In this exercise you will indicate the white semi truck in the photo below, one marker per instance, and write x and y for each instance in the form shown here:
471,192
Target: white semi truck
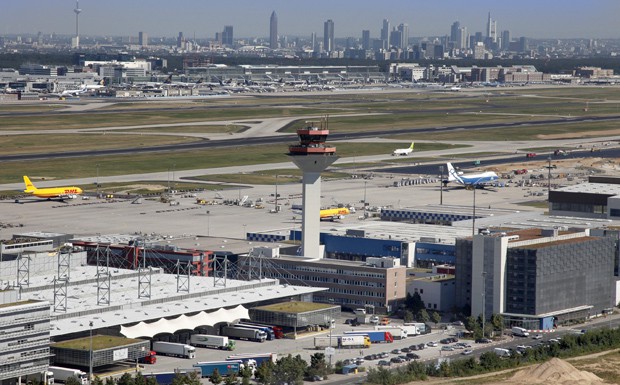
62,374
174,349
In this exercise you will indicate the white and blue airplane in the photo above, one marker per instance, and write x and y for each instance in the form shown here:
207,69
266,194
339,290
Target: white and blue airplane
470,180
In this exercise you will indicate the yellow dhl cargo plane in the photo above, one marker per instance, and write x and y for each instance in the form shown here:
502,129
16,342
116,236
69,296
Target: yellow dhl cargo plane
52,192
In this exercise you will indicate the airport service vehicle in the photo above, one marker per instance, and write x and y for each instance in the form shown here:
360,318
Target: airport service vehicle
376,336
225,368
531,155
174,349
62,374
268,331
150,358
244,333
211,341
502,352
520,332
397,332
345,341
277,331
255,359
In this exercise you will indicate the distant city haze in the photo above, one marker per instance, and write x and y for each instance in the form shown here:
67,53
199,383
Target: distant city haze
203,18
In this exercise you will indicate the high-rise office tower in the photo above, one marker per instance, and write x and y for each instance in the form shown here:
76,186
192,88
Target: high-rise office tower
180,40
365,39
505,39
403,28
227,35
462,38
273,31
313,41
328,36
491,29
143,39
385,30
454,31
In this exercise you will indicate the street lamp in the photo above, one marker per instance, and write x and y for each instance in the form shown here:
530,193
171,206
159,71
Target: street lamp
90,360
208,223
174,165
276,207
441,186
484,276
473,218
97,180
549,179
365,183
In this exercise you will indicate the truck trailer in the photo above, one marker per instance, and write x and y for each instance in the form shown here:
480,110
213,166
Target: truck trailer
211,341
244,333
268,331
174,349
397,332
166,378
345,341
376,336
277,330
255,359
62,374
225,368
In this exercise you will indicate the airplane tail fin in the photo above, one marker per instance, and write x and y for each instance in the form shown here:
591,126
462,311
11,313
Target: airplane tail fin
452,174
411,147
29,186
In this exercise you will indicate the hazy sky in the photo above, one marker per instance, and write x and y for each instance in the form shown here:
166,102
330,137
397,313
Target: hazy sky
203,18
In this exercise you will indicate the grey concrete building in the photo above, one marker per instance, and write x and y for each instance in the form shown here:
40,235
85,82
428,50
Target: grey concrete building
24,338
536,278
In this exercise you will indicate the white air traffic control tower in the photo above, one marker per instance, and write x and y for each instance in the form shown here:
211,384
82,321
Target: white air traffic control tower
312,156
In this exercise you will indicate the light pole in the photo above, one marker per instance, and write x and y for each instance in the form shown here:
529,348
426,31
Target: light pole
441,186
484,277
168,179
276,206
473,218
208,223
174,165
549,179
365,183
90,359
97,180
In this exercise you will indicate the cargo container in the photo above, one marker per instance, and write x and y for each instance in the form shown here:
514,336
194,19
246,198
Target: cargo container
244,333
62,374
397,332
256,358
225,368
345,341
376,336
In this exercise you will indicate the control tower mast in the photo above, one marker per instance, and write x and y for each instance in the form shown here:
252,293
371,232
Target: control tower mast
312,156
77,11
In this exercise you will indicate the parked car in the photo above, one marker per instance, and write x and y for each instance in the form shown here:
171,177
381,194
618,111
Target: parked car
467,352
537,336
432,344
447,348
421,346
384,355
396,351
405,350
413,356
370,357
384,363
405,358
483,341
396,360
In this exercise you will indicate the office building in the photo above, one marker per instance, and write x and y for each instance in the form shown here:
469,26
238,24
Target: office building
403,28
143,39
536,278
273,31
454,31
491,30
328,36
505,39
366,39
24,338
227,36
598,198
385,30
379,282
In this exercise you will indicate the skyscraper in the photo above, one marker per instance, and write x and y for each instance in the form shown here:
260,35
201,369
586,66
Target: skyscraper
385,30
365,39
227,35
491,29
454,31
76,41
403,28
273,31
143,39
328,36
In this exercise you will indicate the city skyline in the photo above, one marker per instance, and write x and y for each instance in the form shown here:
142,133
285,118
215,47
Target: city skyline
534,19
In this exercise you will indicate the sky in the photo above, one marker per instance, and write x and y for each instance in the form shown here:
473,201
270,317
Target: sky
250,18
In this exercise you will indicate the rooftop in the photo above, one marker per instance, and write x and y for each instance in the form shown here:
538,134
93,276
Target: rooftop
295,307
99,342
592,188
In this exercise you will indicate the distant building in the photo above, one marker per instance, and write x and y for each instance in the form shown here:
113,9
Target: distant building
598,198
366,39
227,36
273,31
536,278
143,39
593,72
385,32
180,40
328,36
437,291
